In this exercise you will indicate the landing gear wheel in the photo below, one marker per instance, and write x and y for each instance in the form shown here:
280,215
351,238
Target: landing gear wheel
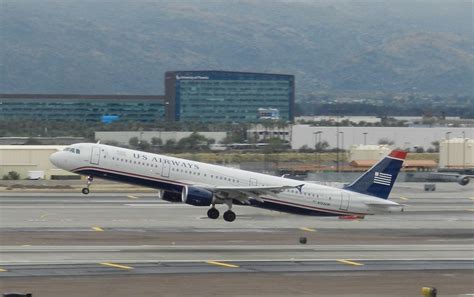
229,216
213,213
85,190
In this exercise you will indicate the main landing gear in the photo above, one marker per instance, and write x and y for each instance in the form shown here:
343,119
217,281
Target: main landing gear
85,190
229,215
213,213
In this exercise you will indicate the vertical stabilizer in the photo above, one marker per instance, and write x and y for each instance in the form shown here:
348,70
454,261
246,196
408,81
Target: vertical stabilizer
378,180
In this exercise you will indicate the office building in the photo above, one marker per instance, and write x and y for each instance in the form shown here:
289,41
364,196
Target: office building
225,96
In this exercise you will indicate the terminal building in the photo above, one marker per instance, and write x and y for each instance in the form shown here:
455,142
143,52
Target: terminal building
192,96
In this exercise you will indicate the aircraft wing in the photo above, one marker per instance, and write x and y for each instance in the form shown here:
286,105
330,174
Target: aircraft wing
244,193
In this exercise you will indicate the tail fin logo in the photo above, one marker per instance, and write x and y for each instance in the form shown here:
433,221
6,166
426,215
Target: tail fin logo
383,179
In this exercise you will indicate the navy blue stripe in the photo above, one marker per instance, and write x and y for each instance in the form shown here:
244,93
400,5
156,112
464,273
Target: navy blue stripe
291,209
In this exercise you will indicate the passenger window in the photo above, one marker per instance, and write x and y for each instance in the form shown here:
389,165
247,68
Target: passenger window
78,151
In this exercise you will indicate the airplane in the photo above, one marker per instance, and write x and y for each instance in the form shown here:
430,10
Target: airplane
460,178
202,184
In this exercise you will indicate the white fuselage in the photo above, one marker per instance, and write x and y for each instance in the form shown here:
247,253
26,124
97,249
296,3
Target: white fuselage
172,174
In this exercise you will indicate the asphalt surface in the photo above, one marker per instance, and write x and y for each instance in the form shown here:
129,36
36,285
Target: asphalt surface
130,238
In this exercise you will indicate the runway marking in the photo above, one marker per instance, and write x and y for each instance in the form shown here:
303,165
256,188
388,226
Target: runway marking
472,198
133,197
307,229
3,270
116,265
404,198
222,264
350,262
470,209
26,245
98,229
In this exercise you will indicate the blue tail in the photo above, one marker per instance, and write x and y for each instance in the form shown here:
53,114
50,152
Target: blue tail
378,180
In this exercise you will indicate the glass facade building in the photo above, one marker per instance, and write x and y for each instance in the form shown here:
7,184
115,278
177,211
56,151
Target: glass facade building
89,108
223,96
191,96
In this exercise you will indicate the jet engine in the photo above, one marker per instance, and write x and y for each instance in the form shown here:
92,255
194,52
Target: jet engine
197,196
170,196
462,180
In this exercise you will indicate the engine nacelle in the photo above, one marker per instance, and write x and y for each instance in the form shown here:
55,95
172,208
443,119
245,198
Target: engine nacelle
197,196
170,196
463,180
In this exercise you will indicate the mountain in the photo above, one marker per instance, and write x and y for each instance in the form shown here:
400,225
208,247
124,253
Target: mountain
125,46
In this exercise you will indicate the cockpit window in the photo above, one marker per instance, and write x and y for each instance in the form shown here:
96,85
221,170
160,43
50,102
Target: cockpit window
72,150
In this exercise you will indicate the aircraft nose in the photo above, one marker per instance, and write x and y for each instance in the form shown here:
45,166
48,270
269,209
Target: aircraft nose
54,158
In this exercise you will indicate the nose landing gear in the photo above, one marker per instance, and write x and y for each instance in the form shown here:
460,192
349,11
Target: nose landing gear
85,190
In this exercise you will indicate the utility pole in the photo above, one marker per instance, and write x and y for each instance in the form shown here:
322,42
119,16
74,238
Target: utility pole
316,149
447,149
337,147
464,143
342,143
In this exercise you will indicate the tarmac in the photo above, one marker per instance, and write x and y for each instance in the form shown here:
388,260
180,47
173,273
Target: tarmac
127,242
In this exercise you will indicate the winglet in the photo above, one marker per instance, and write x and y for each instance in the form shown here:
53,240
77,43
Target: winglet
299,187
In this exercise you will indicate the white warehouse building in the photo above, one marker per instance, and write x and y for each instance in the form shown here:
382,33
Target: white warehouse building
30,161
456,153
402,137
123,137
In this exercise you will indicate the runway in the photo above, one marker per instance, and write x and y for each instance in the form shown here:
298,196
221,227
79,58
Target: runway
46,236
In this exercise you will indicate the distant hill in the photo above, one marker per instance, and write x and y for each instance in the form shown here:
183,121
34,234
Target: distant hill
125,46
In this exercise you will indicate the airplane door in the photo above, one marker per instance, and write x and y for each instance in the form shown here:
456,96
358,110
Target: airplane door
165,170
252,182
344,201
95,155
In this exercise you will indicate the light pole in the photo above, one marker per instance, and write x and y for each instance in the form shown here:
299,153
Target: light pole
337,147
318,157
447,149
342,142
365,138
464,142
